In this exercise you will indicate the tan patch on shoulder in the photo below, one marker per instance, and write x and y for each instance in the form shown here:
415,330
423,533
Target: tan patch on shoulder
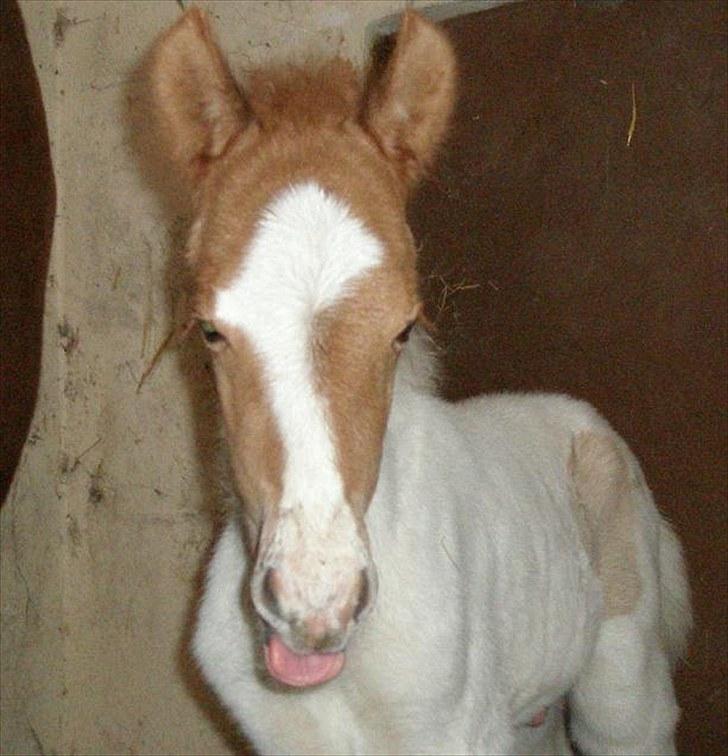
604,505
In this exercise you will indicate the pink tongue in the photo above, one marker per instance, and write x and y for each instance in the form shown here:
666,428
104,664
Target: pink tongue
300,670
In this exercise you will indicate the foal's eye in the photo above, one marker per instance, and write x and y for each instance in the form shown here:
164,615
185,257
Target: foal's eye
210,333
404,335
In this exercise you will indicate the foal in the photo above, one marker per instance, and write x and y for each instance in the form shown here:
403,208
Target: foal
520,560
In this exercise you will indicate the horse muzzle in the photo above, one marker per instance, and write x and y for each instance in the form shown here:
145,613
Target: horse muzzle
308,627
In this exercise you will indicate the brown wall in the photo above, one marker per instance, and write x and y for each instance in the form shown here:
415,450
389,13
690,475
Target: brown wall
559,257
26,227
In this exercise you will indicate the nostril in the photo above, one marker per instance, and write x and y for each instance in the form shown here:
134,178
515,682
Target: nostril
364,592
268,592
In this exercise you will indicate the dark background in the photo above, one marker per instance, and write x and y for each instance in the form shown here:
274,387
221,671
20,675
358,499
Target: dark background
556,257
27,211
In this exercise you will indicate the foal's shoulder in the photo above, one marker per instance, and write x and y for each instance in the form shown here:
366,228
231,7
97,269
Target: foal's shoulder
559,412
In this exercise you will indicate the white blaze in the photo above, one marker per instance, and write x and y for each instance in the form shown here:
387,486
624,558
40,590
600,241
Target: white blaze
305,254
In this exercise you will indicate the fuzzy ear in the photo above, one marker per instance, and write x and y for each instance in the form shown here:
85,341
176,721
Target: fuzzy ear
195,101
409,107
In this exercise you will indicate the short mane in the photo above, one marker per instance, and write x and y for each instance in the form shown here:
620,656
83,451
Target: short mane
321,93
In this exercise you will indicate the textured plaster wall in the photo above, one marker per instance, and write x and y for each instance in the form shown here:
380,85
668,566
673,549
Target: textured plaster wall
112,508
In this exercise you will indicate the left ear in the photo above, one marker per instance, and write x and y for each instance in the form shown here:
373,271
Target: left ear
409,108
197,108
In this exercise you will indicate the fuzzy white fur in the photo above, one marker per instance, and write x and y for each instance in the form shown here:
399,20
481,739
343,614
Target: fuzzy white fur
488,609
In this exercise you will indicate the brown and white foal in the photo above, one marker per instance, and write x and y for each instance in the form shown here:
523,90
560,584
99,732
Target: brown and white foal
519,556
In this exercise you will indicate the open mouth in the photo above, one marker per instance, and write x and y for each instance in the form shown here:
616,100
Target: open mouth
300,670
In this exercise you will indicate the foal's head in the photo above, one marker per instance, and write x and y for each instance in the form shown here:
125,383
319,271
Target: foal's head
305,291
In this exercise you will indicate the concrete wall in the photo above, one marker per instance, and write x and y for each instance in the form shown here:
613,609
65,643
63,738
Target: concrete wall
112,508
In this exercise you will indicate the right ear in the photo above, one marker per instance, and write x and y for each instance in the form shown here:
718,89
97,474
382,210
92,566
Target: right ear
409,107
195,101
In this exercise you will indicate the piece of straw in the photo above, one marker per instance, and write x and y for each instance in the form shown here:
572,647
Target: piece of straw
633,122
